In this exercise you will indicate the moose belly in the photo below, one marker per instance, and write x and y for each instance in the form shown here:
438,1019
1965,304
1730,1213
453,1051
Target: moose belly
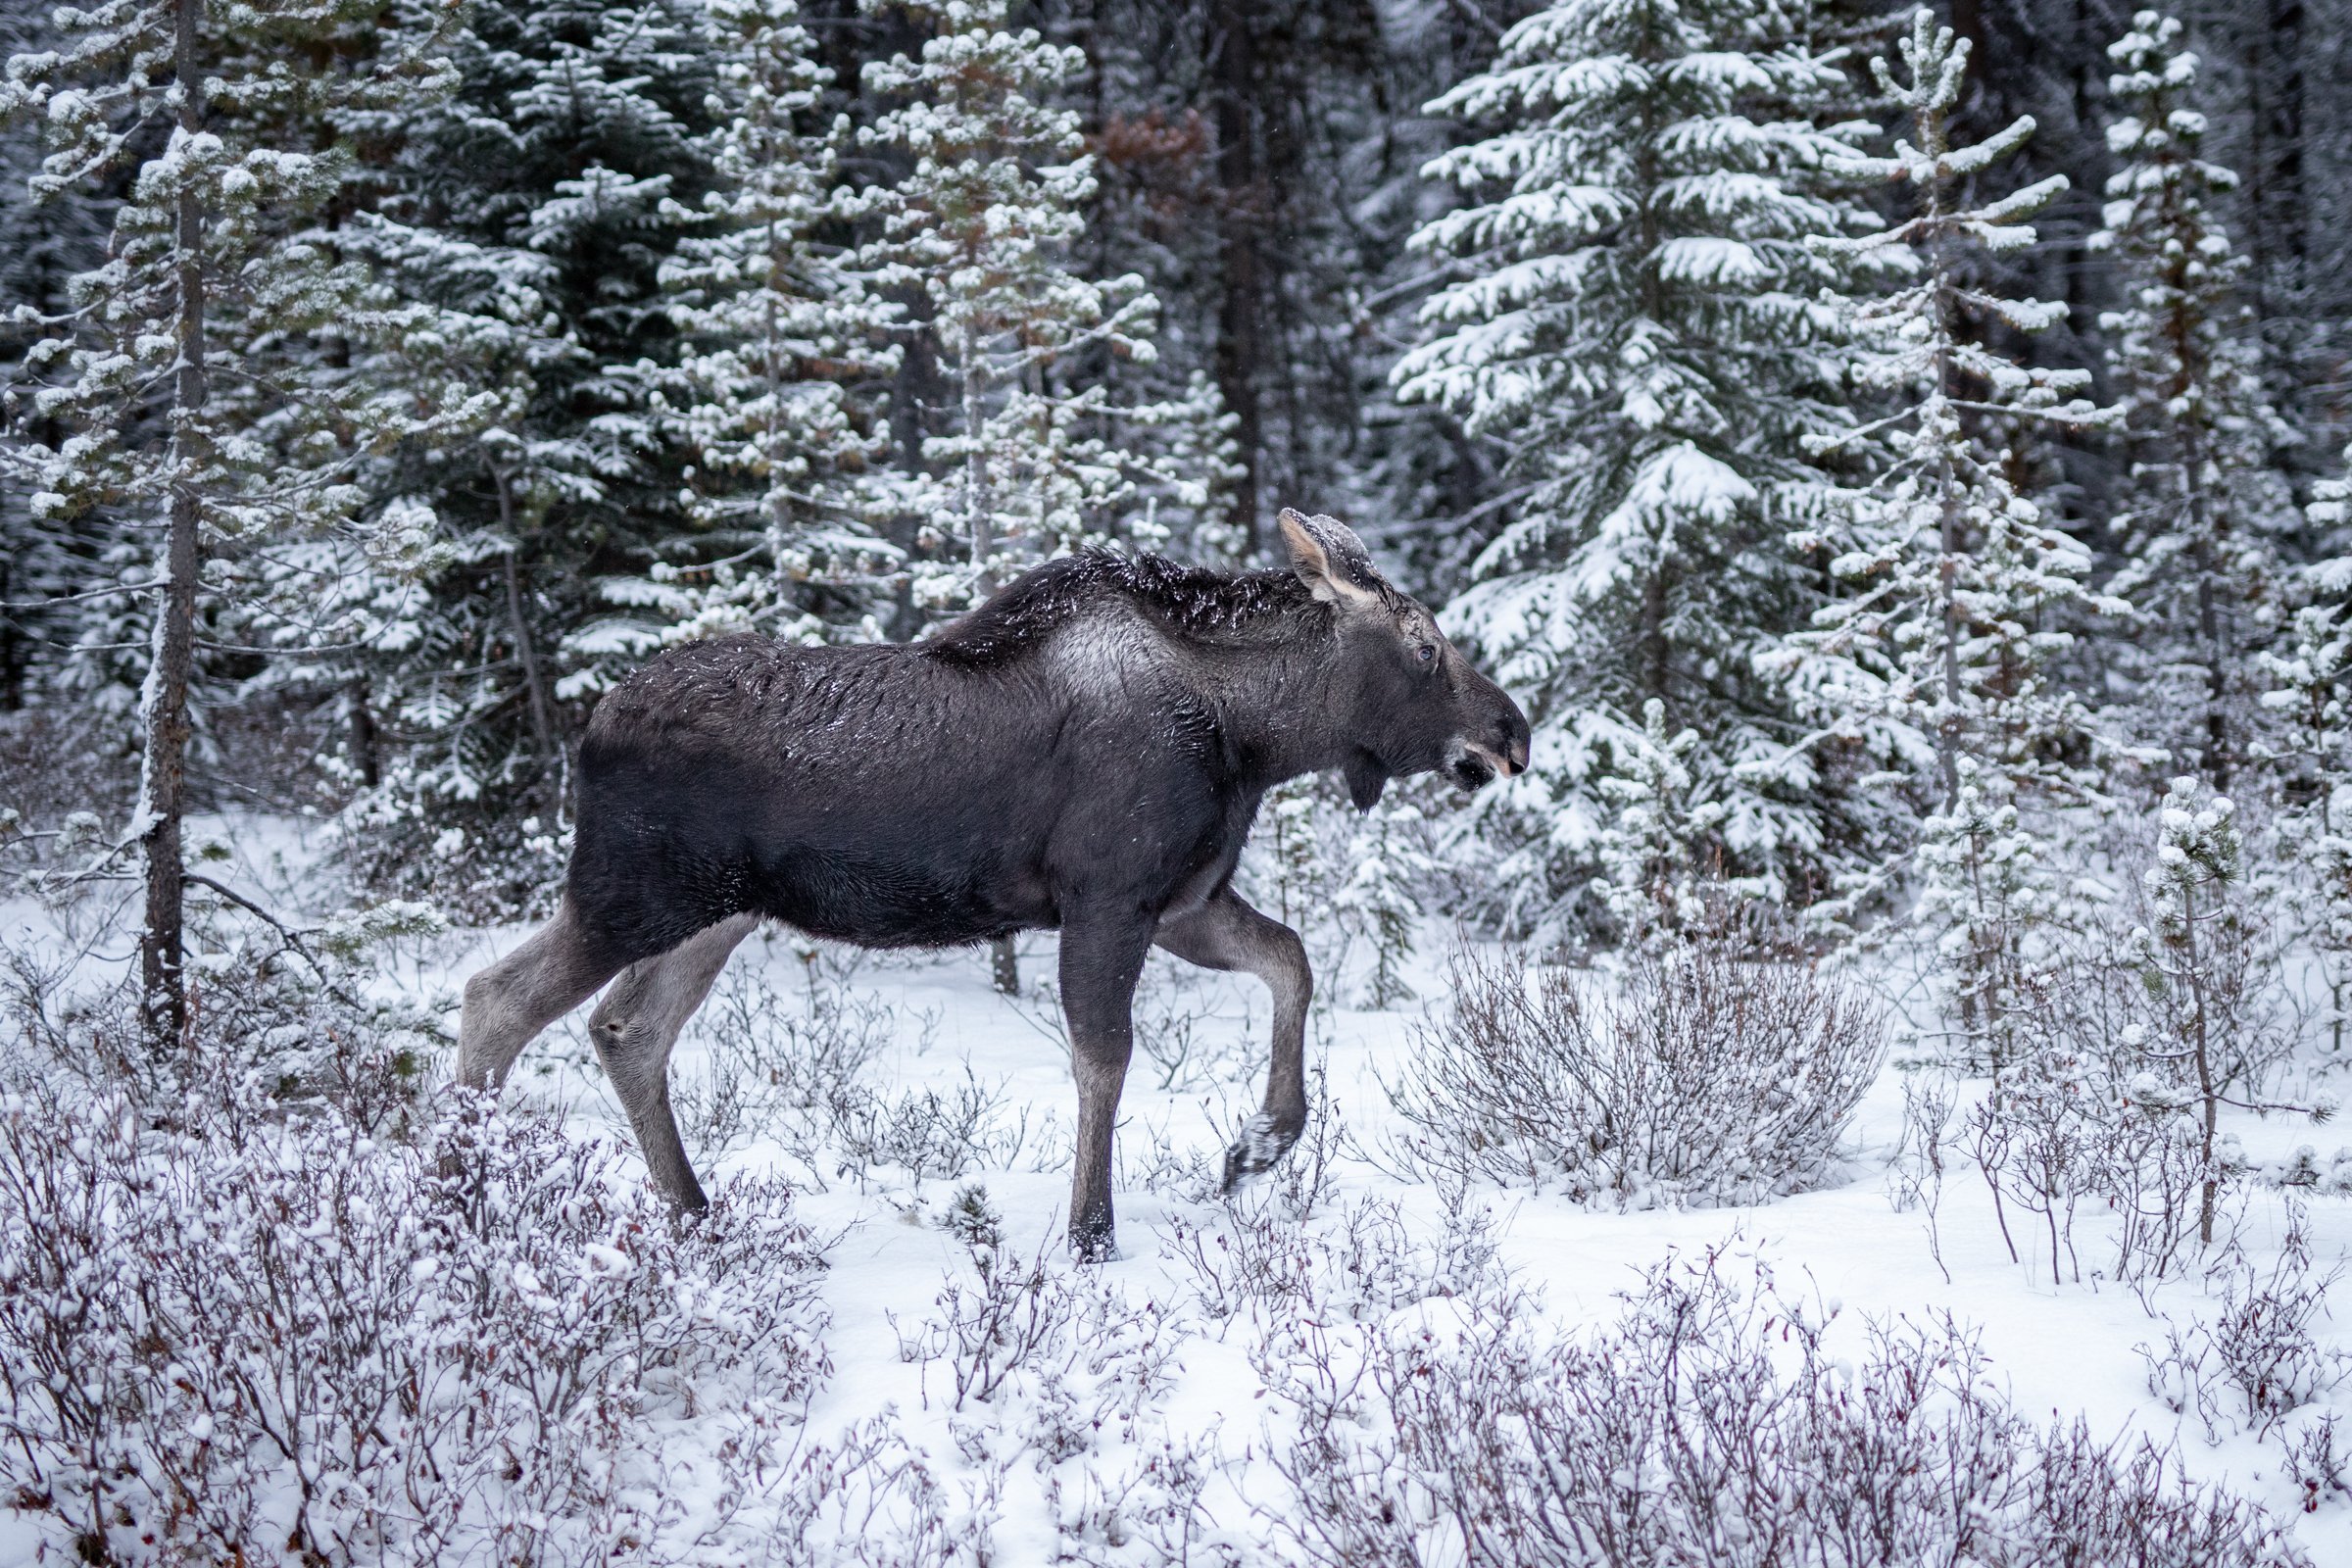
887,901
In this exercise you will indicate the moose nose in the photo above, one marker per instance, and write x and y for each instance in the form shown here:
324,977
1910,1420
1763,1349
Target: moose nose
1513,750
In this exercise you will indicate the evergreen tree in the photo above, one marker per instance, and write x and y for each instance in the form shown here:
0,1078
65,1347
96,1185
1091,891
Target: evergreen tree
556,181
1935,656
1636,322
1653,878
778,331
50,568
2309,706
2200,519
1379,900
184,390
1020,461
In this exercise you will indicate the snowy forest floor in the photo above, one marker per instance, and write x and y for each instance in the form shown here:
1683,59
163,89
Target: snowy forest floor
1163,1414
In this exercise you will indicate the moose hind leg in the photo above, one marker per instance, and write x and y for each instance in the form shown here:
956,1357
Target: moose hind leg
636,1025
1227,934
507,1004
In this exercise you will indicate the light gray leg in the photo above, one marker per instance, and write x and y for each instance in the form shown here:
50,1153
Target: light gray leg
507,1004
1227,934
1101,959
635,1026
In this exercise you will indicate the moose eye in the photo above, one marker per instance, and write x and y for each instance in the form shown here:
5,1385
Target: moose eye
1427,653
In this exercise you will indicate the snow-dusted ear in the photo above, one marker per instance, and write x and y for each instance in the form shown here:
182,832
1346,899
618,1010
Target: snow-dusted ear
1329,559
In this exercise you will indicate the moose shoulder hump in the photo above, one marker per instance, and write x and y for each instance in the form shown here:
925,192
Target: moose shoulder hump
1195,604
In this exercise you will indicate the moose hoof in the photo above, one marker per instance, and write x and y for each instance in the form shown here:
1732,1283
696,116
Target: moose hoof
1263,1141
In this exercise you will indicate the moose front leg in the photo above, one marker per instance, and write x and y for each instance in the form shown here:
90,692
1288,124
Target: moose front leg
1100,961
1226,933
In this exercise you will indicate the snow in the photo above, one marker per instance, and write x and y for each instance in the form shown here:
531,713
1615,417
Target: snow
2062,1351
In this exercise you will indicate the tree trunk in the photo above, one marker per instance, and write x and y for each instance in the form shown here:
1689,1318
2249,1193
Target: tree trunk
1005,965
367,738
543,728
1239,282
978,503
164,702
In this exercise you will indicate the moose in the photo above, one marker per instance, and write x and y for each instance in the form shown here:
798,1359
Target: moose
1085,752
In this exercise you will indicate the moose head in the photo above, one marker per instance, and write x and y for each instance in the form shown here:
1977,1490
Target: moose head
1404,699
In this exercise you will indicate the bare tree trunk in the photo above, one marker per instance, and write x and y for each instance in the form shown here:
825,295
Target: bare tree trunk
978,504
2214,630
1238,222
543,728
164,703
367,738
1005,965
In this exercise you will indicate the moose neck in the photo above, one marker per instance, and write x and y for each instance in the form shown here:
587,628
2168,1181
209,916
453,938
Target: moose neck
1279,704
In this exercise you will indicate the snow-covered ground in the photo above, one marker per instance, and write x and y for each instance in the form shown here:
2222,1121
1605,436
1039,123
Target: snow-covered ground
1178,1408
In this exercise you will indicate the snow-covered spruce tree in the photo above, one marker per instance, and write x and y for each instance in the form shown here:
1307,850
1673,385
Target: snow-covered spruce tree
180,395
1932,655
2309,709
777,330
1635,319
2197,864
976,231
1653,881
1379,901
558,179
48,565
2199,527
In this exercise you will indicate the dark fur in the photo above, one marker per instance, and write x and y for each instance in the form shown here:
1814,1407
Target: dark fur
1085,752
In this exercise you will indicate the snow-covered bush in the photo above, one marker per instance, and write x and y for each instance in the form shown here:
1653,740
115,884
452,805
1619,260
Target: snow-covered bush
260,1301
2159,1008
281,1006
1719,1421
1703,1075
796,1070
1368,1261
2257,1358
1379,905
227,1331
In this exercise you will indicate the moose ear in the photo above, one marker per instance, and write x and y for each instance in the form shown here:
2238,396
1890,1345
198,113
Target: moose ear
1329,559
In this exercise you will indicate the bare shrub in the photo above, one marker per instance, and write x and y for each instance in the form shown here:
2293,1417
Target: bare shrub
779,1064
238,1325
2317,1461
1365,1263
1188,1042
1712,1422
1017,1310
1065,1358
2258,1358
1702,1077
1916,1171
797,1069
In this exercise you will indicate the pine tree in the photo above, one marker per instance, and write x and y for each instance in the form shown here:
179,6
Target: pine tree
1378,899
2197,866
1935,656
544,192
1635,323
1019,463
2309,704
778,332
52,582
186,383
1655,879
2201,569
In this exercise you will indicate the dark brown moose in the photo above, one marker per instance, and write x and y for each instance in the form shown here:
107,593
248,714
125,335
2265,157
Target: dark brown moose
1085,752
